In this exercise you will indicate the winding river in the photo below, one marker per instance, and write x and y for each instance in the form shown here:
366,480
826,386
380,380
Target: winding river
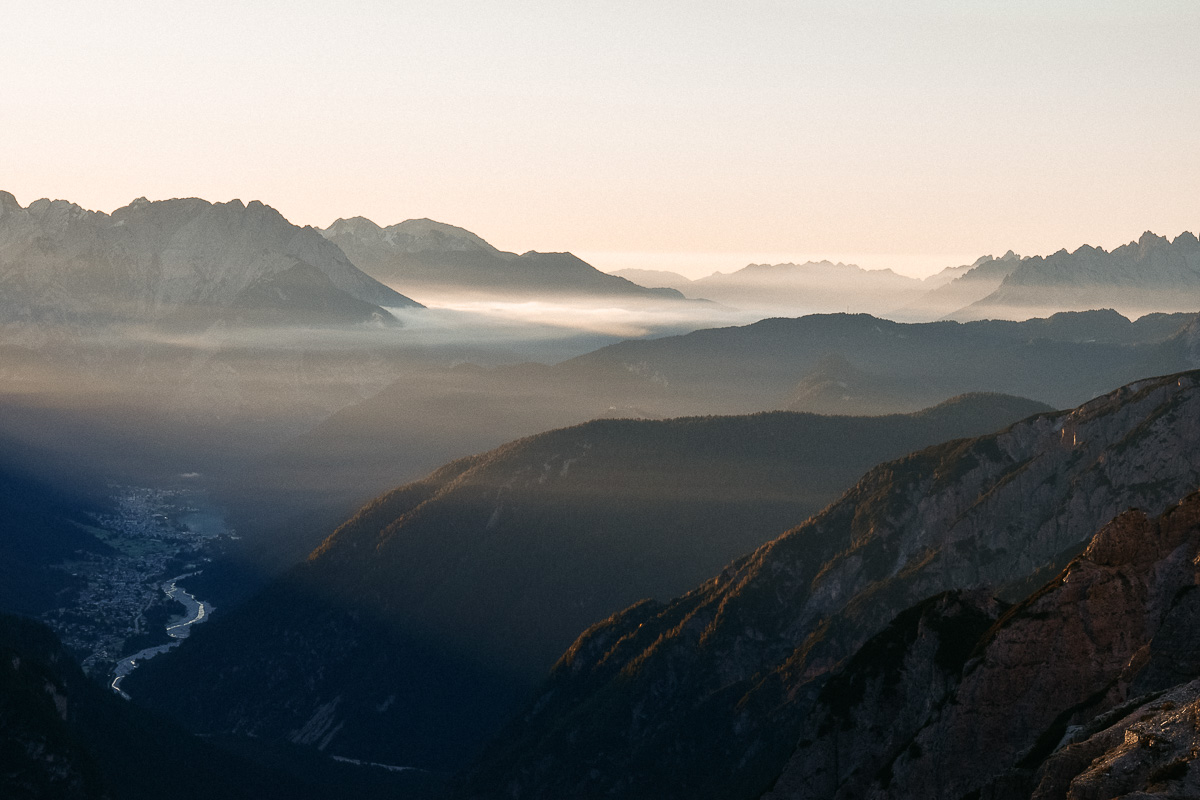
197,611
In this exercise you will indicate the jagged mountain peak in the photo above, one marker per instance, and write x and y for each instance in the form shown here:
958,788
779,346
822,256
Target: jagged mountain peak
1149,238
1187,239
1152,273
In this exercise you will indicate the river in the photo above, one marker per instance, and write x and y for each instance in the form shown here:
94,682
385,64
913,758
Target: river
197,611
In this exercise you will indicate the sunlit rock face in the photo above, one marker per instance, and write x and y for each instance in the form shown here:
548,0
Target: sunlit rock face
1061,696
182,260
709,695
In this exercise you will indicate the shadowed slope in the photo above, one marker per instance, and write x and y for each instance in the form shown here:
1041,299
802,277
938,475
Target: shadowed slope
413,630
705,696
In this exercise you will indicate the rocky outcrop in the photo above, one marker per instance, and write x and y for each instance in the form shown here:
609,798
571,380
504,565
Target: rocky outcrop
707,695
1078,691
181,259
868,715
1144,749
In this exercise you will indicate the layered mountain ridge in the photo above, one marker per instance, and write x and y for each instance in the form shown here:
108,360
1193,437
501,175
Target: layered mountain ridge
453,595
824,364
1151,274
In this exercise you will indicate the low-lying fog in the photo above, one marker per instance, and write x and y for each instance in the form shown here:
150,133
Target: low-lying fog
555,328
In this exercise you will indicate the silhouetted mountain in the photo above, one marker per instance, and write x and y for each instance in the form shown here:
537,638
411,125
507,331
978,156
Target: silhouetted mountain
411,633
1151,274
423,255
708,696
183,260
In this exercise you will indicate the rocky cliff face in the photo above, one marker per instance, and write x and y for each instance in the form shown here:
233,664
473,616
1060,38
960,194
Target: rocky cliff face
1037,704
707,696
183,258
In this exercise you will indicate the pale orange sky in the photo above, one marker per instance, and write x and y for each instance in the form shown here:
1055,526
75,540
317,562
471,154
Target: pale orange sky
932,131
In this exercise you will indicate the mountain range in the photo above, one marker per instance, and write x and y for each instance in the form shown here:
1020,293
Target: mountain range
826,364
411,633
421,255
1150,274
767,561
814,287
713,693
182,261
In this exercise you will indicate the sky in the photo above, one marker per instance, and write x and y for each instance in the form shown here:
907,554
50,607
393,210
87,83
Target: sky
670,135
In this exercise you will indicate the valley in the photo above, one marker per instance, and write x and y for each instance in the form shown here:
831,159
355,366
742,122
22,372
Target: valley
126,599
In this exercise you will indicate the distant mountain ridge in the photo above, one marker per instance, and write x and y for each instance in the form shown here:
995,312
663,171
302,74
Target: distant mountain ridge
1061,360
1152,273
436,257
177,260
793,289
824,364
955,287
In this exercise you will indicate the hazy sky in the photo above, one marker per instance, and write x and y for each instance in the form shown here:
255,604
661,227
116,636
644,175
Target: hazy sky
931,131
